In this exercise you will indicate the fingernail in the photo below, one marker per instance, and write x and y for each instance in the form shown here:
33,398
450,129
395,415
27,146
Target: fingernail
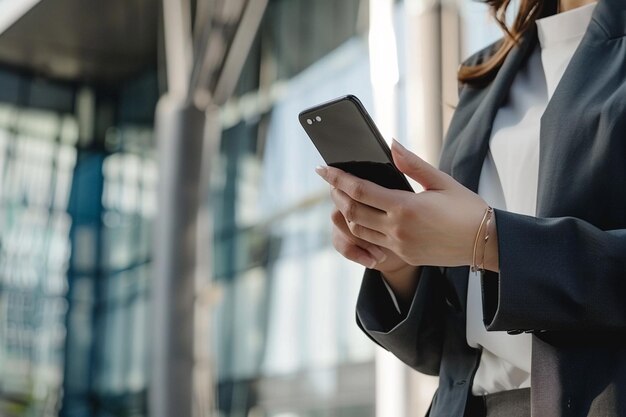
370,263
398,145
378,254
321,170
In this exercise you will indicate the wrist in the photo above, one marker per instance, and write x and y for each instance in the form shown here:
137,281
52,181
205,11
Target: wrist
403,282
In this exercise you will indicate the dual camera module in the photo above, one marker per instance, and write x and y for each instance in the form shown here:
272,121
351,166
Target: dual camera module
317,119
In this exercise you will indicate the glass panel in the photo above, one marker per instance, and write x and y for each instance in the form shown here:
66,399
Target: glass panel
34,253
287,306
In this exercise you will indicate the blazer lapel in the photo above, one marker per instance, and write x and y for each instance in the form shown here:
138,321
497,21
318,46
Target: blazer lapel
574,116
469,148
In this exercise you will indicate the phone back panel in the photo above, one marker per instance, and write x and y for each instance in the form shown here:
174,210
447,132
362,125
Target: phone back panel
346,137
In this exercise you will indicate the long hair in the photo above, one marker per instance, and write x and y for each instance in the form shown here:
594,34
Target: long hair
529,11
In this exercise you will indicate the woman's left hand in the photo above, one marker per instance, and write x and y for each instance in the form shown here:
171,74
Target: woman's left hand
435,227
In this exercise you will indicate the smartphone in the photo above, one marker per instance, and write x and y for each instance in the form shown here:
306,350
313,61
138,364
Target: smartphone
347,138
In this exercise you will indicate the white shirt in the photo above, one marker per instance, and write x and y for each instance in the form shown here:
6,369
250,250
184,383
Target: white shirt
508,181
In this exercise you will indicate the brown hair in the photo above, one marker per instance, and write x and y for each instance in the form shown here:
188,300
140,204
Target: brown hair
529,11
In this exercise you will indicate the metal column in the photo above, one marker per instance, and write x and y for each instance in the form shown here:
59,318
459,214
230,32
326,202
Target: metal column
179,127
197,83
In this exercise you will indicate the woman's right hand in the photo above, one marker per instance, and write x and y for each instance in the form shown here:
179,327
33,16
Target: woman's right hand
362,252
401,277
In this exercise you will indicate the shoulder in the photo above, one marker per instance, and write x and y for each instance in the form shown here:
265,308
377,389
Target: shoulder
480,57
484,54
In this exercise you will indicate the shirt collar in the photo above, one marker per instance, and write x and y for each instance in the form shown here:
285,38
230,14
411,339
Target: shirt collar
564,26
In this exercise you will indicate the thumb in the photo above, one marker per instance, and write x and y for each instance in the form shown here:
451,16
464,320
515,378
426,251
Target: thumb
415,167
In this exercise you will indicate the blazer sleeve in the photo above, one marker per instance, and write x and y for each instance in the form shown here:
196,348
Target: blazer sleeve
416,337
556,274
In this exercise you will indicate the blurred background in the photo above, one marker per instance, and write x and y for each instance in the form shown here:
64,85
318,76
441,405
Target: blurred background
164,241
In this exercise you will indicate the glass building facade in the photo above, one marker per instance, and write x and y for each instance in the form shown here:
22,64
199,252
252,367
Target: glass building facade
113,204
77,192
37,159
286,343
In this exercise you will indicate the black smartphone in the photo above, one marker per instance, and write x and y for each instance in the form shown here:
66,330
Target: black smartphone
347,138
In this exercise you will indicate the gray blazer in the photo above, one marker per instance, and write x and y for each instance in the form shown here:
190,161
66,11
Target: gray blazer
562,274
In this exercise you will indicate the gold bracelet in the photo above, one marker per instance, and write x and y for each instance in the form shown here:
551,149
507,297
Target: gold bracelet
489,217
488,211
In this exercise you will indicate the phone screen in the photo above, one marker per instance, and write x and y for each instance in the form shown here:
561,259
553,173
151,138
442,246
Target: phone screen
347,139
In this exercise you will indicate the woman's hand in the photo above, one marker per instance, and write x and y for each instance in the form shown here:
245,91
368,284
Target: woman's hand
362,252
401,277
435,227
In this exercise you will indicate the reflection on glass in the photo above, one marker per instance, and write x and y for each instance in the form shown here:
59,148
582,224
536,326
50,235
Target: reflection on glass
35,176
128,199
284,328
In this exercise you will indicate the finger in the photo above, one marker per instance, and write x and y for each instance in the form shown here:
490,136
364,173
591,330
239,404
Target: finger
358,189
342,227
357,212
367,238
415,167
368,235
353,252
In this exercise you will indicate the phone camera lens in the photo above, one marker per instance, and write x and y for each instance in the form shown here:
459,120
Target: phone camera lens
318,118
309,121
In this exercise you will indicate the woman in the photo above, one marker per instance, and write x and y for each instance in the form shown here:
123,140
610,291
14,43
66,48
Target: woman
539,134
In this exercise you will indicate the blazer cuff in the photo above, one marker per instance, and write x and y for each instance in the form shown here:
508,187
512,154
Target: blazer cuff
415,338
556,274
376,308
377,311
503,293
